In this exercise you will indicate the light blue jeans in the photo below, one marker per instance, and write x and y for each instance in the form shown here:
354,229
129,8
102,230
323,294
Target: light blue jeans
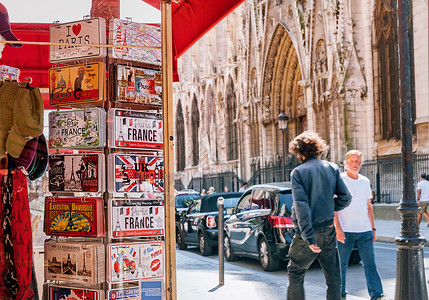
363,242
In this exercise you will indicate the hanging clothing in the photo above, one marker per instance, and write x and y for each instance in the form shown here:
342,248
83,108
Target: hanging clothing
16,249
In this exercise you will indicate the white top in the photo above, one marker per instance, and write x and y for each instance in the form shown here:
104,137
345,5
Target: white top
423,185
354,218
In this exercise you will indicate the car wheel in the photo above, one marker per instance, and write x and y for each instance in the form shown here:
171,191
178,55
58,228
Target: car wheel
227,249
204,246
179,241
354,258
268,263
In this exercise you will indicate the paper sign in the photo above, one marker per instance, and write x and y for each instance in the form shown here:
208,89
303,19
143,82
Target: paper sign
74,293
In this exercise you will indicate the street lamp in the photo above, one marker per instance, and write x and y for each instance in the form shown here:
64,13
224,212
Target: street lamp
283,118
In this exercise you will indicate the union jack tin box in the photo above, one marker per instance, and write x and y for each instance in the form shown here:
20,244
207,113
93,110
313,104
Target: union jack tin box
124,33
60,292
74,217
75,262
77,129
85,32
136,217
135,129
138,85
76,173
135,261
77,84
136,173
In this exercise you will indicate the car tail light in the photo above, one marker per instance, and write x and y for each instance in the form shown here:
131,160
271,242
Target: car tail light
280,222
210,222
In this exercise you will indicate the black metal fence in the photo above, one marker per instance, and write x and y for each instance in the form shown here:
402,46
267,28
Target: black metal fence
385,175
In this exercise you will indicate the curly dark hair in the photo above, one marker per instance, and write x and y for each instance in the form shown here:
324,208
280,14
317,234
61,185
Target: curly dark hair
308,144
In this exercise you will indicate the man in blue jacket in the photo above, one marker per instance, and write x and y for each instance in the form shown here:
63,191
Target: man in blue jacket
318,191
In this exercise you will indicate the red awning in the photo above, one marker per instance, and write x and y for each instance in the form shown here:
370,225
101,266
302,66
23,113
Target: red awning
191,19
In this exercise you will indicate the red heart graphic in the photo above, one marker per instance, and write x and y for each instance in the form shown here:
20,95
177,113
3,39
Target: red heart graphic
76,29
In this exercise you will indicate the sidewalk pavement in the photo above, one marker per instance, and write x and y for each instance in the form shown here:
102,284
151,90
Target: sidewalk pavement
388,230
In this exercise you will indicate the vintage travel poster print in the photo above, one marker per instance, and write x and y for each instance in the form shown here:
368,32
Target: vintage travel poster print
74,217
76,84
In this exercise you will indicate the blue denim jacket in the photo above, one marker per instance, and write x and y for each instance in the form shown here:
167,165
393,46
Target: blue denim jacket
314,184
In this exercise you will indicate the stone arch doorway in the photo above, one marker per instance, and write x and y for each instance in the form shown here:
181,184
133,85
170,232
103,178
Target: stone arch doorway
282,90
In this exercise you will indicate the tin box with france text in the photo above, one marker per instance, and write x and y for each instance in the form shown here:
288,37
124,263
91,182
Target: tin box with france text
77,129
135,129
136,217
75,262
74,217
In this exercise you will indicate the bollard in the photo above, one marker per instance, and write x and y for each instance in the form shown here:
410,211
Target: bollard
220,202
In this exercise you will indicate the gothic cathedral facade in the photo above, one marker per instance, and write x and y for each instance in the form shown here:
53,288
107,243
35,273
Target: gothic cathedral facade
330,65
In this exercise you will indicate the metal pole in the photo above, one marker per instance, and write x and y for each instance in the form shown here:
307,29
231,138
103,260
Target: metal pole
220,202
287,154
410,271
283,158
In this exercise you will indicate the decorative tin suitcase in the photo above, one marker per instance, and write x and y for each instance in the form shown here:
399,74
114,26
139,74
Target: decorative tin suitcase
75,262
138,85
89,31
148,290
76,173
60,292
74,217
136,173
135,261
136,217
125,33
135,129
77,129
77,84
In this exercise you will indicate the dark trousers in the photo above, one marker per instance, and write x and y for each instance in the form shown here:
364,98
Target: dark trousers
301,258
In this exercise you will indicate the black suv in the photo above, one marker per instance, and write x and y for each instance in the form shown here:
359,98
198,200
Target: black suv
198,225
260,226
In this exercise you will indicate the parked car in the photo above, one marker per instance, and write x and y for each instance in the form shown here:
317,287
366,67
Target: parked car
198,225
184,198
260,226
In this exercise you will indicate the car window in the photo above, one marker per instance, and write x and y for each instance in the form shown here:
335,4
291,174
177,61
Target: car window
229,202
183,201
285,204
195,207
262,199
244,203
